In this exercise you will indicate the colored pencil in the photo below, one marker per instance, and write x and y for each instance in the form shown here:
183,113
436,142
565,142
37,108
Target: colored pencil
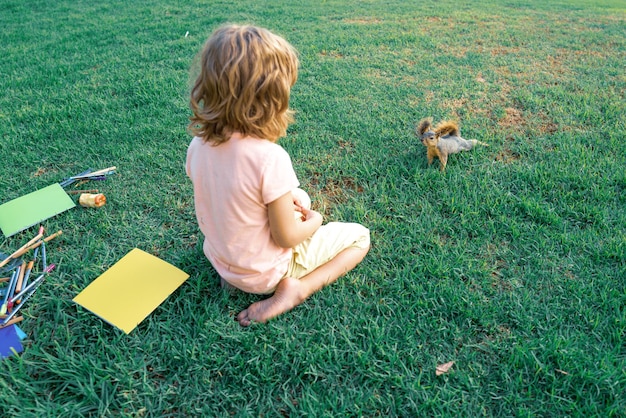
69,181
17,307
21,249
82,191
20,279
29,269
43,256
99,173
4,307
12,321
38,243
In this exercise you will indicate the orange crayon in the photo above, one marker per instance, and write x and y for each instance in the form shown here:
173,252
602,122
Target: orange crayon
20,278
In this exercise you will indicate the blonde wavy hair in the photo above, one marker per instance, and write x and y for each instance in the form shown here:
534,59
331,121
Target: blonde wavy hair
244,84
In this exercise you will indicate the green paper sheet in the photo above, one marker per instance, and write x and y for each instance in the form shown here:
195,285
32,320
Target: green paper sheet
28,210
131,289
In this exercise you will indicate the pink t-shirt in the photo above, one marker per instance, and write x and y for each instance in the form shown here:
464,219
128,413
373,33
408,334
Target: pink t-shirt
233,184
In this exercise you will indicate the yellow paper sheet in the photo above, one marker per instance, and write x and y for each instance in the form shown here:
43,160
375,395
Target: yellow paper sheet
131,289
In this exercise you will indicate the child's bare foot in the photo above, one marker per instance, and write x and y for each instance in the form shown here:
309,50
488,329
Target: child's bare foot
292,292
288,294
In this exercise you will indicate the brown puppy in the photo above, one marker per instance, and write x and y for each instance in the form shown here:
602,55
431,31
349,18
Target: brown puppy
443,140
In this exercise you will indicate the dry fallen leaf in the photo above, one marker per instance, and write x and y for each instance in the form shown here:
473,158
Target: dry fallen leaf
39,172
443,368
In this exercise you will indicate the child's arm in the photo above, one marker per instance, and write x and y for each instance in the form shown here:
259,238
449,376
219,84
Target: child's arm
285,230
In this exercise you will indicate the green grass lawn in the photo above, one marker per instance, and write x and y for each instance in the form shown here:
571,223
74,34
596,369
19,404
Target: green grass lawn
512,263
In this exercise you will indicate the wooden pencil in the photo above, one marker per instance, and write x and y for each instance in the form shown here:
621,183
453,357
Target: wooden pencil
12,321
21,250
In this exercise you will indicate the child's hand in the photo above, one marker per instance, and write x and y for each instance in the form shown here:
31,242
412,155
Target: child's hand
298,210
297,205
285,232
311,215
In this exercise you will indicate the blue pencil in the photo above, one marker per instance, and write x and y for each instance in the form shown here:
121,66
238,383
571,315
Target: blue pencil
3,308
17,308
8,288
29,269
34,284
43,255
71,180
14,282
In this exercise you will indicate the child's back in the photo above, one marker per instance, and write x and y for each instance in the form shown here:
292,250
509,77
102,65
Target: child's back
244,184
233,184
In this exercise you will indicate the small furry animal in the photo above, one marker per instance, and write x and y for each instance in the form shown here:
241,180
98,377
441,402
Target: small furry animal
443,140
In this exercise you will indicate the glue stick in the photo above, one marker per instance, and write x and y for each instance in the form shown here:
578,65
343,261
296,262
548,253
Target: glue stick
89,200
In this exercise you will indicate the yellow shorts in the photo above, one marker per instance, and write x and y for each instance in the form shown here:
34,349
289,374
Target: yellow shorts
328,241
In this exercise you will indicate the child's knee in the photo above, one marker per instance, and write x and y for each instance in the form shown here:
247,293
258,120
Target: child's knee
361,236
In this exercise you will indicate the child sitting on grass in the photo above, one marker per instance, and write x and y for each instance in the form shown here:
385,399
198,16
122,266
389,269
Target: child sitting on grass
245,188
